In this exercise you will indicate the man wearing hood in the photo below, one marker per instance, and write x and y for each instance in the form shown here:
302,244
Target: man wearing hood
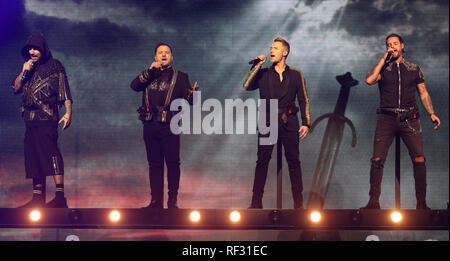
44,87
161,84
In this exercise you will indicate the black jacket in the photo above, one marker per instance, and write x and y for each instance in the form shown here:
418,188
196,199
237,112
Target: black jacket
155,84
45,88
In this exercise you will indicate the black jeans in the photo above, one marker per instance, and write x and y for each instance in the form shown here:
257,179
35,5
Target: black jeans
410,132
162,145
290,142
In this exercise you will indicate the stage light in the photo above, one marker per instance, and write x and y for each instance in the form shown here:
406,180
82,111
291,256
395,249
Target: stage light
396,217
275,216
114,216
315,216
235,216
35,215
75,216
194,216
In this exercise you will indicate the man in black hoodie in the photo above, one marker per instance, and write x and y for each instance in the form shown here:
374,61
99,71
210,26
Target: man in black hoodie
161,84
44,87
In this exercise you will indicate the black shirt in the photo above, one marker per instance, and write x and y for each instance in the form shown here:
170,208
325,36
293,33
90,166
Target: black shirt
398,85
293,86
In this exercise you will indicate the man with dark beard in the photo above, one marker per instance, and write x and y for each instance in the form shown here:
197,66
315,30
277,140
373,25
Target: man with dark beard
398,81
44,87
285,84
161,84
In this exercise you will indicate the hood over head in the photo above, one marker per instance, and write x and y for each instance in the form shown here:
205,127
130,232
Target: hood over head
37,41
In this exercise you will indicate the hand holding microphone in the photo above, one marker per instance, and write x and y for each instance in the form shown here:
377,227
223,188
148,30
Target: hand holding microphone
388,55
258,60
27,67
156,65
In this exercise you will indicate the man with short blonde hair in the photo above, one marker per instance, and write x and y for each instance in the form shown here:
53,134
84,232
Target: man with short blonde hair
285,84
285,44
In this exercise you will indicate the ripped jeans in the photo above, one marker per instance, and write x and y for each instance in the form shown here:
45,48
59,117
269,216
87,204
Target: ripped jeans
411,133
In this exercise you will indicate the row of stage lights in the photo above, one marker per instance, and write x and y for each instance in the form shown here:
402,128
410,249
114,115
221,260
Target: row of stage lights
195,216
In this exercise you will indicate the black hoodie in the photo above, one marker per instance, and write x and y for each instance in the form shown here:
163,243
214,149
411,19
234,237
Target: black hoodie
46,86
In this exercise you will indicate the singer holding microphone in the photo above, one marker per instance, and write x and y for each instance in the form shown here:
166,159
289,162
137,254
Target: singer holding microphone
285,84
161,84
398,81
44,87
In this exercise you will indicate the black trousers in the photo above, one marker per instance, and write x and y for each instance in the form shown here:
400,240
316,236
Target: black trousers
410,132
42,155
162,146
290,142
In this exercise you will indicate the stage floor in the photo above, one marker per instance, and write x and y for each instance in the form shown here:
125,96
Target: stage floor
228,219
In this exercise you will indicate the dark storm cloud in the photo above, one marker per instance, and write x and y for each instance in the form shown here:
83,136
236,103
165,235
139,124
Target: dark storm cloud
184,10
74,38
371,20
427,19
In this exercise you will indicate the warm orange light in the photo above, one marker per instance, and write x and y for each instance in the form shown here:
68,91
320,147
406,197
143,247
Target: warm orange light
194,216
235,216
114,216
396,216
315,216
35,215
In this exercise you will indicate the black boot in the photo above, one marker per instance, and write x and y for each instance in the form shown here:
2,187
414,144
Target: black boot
295,173
420,178
422,205
256,201
36,202
298,202
372,204
57,202
172,202
376,175
154,204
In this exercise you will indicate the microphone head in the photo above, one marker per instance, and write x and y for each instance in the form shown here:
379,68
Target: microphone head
388,57
255,61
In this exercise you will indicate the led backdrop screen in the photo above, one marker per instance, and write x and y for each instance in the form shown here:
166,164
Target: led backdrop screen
104,45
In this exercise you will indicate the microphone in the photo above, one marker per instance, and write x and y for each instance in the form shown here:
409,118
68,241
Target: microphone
388,58
255,61
27,72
